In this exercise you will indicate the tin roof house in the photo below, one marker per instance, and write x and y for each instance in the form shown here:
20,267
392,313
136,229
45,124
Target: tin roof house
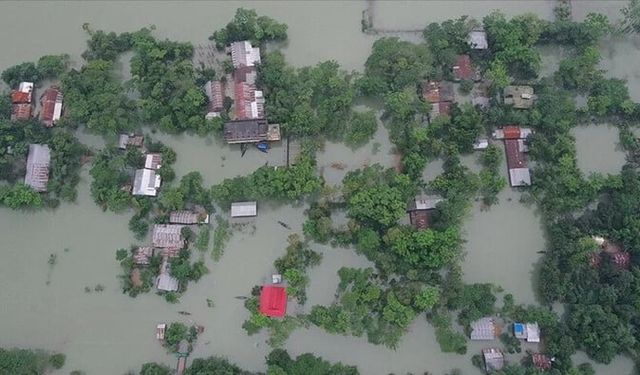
215,92
463,69
130,140
146,182
165,282
37,176
51,102
484,329
142,255
420,209
441,96
493,359
527,331
250,131
22,101
516,148
153,161
540,361
168,236
244,209
478,39
273,301
244,54
188,217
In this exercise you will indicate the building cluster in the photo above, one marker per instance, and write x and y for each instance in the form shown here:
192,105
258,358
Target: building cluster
516,149
487,329
248,124
23,104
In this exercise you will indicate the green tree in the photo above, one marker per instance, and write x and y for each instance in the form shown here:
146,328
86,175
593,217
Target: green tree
247,25
21,196
152,368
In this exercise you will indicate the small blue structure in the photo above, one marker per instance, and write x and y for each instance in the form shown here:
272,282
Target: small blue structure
519,330
263,146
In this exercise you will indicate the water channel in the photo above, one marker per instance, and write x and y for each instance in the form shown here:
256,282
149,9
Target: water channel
109,333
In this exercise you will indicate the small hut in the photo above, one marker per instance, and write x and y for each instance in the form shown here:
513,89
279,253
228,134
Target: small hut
484,329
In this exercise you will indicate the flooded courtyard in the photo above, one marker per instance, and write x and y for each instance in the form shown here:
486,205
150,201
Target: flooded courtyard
46,306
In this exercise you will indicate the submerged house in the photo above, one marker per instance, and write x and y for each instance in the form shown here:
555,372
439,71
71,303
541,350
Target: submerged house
441,96
250,131
248,100
527,331
516,148
273,301
168,236
37,176
521,97
493,359
463,69
477,39
244,209
244,54
142,255
540,361
146,182
165,282
484,329
51,102
420,210
22,101
153,161
215,92
130,140
188,217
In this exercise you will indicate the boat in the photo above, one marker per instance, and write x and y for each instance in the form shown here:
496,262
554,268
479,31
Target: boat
263,146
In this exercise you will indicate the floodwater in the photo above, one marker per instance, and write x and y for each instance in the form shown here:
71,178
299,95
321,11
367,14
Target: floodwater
106,332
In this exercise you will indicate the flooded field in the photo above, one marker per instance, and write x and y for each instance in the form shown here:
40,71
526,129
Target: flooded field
108,333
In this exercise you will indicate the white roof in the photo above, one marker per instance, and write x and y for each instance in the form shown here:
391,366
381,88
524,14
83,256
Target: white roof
427,202
25,87
533,332
519,177
37,175
146,182
57,111
167,283
483,329
481,144
244,209
478,39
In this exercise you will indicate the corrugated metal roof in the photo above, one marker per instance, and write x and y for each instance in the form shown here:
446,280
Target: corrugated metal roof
167,236
483,329
38,161
244,209
146,182
478,39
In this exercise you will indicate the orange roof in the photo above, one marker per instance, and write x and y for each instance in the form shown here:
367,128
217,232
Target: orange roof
273,300
19,97
21,111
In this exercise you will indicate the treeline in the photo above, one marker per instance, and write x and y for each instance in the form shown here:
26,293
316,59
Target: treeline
278,362
26,361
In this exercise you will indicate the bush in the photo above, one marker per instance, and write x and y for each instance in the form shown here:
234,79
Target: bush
57,360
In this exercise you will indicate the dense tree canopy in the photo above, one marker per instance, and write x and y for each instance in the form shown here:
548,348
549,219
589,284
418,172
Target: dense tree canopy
247,25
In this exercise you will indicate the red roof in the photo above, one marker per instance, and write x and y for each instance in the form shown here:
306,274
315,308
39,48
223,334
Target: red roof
431,91
541,361
463,70
511,132
49,98
515,157
19,97
239,101
420,219
273,300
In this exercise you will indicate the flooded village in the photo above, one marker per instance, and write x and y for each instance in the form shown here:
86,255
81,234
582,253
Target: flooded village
58,307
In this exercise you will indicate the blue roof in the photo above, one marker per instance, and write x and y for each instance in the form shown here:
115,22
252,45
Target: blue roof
518,328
